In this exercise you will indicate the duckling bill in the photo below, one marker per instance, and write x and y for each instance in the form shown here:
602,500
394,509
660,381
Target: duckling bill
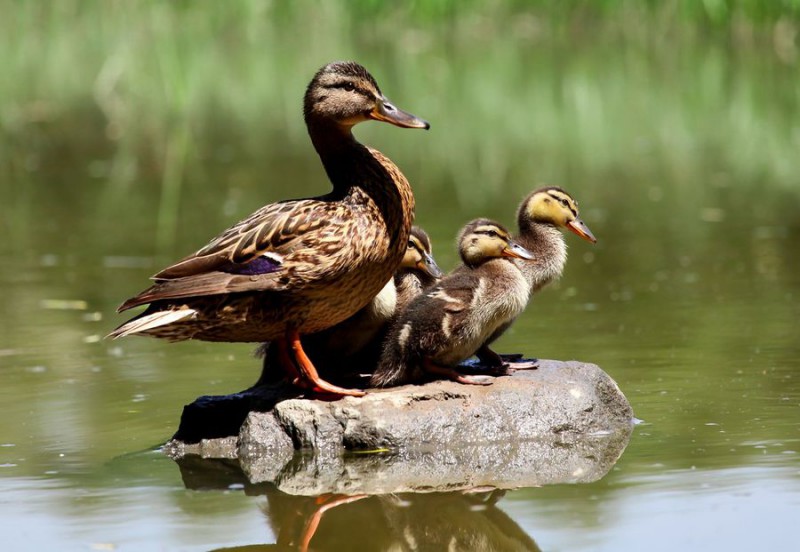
299,266
447,324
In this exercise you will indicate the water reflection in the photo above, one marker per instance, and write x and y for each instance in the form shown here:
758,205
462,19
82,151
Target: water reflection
434,500
457,520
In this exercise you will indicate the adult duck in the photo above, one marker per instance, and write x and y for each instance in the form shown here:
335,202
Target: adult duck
299,266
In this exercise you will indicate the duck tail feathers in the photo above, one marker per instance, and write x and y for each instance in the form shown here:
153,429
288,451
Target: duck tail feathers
146,322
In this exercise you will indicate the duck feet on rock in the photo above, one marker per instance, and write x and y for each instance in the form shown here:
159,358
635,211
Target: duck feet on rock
455,374
302,372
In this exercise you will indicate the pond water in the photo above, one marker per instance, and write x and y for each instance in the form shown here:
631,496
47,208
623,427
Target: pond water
690,300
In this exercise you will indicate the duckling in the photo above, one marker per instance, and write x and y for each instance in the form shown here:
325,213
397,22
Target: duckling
448,323
300,266
540,217
417,272
354,344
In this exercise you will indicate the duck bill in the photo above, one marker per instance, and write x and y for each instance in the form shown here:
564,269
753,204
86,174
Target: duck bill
429,266
387,112
516,251
579,227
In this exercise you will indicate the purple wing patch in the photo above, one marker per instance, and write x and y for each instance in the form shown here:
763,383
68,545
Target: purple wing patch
260,265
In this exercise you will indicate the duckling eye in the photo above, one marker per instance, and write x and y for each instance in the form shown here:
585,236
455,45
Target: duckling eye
410,245
349,86
564,202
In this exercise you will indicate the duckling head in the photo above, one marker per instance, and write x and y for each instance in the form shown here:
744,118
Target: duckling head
484,239
343,92
418,254
552,205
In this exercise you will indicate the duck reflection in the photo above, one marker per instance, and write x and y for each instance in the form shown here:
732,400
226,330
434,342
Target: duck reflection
468,520
461,520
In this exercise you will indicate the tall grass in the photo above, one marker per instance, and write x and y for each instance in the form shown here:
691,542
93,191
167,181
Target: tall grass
153,93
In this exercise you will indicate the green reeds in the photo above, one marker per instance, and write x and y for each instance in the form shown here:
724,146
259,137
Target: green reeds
517,93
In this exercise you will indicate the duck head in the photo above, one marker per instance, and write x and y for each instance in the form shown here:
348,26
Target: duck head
484,239
344,93
552,205
418,254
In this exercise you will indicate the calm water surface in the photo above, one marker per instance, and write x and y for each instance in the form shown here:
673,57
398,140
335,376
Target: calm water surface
690,301
699,333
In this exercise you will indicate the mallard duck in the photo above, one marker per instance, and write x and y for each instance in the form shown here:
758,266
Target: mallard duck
299,266
540,217
354,344
448,323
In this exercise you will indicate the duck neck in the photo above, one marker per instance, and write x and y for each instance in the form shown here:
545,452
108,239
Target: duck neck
357,171
549,248
335,145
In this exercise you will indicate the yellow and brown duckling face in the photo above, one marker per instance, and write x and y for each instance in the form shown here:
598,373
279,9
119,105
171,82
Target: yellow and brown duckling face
553,205
418,254
345,92
484,239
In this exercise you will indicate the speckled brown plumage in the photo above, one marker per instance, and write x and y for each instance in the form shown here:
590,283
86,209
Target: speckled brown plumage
300,265
353,345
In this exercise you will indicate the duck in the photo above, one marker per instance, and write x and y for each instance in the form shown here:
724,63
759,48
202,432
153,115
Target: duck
298,266
541,217
448,323
417,272
354,344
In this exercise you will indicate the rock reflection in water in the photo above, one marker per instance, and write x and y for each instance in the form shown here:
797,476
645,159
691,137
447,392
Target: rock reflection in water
436,500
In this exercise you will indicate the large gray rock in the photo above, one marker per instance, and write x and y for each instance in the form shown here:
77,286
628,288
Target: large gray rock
563,422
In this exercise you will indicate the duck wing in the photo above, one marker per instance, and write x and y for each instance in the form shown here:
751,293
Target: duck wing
281,245
457,292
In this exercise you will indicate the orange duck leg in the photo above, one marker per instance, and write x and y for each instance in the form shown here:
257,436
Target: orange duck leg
302,371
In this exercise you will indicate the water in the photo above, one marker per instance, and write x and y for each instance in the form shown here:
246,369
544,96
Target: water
689,300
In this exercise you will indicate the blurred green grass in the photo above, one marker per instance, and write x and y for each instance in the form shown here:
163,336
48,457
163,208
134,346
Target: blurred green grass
153,94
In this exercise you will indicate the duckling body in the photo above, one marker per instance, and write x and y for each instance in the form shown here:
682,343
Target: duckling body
299,266
448,323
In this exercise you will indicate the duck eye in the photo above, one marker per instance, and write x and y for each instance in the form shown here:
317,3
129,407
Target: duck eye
349,86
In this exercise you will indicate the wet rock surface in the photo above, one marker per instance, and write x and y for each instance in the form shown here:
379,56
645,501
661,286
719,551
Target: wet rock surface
563,422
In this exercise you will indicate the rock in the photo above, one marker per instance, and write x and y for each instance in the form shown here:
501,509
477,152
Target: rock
569,419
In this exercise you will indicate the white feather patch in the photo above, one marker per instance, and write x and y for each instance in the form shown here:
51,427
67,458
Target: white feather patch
274,257
154,320
405,331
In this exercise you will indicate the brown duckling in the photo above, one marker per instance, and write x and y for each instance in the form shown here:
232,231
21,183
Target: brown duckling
448,323
417,272
354,344
540,218
297,267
